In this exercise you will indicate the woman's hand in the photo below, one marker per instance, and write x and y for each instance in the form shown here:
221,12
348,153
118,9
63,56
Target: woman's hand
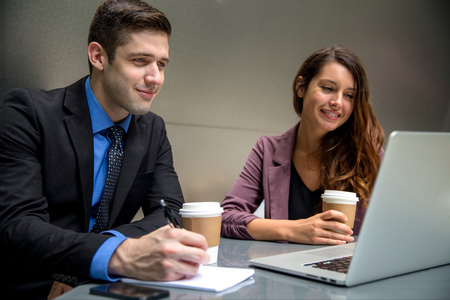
324,228
318,229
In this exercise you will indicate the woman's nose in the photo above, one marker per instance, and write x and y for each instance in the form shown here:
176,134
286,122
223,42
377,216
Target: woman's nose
336,101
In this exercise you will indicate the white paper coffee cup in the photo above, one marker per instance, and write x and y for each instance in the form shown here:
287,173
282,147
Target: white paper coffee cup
341,201
204,218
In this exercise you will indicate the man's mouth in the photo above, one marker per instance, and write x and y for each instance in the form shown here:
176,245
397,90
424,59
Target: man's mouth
147,93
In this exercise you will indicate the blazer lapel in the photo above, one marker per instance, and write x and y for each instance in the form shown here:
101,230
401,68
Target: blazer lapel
133,153
279,175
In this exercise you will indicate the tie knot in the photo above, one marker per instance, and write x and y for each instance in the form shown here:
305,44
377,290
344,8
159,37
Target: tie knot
115,134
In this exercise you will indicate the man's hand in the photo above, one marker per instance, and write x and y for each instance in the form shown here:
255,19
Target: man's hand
58,289
163,255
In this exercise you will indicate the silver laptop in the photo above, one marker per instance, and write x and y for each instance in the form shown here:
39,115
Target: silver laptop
407,223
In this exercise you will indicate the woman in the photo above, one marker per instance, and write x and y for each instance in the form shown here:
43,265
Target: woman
336,145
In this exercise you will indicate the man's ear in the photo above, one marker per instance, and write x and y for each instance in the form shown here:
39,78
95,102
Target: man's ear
299,87
97,56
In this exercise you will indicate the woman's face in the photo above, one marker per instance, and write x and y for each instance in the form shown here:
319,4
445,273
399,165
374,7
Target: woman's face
328,100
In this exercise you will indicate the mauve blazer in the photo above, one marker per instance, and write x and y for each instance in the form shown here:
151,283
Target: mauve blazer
266,175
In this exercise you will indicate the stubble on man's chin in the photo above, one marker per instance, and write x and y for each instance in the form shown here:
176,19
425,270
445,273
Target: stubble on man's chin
138,110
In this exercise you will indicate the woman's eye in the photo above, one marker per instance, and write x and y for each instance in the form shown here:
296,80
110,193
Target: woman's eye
350,96
327,88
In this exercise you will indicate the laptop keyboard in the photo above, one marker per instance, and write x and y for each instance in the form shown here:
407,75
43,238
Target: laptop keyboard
338,264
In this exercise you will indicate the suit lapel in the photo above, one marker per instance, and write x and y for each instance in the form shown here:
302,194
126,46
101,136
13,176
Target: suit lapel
79,128
133,153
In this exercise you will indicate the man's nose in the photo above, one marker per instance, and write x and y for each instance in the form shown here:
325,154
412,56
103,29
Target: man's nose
154,75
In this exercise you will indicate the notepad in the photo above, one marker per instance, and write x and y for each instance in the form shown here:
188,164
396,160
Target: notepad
212,279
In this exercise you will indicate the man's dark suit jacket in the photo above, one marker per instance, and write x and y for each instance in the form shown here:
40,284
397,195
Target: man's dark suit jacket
46,182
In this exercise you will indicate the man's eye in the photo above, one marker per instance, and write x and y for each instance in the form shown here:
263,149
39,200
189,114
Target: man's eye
139,60
162,65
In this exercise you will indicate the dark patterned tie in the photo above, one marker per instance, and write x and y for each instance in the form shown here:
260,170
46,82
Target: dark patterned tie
115,156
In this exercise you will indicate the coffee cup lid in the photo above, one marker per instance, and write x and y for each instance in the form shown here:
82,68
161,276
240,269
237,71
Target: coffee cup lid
342,200
338,193
339,197
198,209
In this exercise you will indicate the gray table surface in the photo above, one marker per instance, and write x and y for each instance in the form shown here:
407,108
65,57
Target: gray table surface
427,284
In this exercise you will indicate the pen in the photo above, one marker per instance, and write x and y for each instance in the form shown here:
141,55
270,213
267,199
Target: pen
168,214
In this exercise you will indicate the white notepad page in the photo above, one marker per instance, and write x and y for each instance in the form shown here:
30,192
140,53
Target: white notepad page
213,279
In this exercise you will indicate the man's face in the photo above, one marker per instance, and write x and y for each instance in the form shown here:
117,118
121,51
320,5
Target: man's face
133,79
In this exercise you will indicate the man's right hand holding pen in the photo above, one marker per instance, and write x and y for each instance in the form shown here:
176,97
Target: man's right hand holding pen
163,255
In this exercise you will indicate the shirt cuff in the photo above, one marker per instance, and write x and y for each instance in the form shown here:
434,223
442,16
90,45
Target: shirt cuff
100,261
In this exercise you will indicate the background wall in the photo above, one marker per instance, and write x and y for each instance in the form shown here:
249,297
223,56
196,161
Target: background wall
233,63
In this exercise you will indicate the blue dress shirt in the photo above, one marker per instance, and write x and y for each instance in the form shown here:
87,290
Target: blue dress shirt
100,123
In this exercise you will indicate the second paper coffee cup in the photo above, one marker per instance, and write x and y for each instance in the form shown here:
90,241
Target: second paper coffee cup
204,218
341,201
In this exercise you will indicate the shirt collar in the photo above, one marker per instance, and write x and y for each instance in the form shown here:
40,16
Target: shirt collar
99,118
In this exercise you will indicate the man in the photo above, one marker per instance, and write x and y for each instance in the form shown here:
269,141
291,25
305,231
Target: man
59,224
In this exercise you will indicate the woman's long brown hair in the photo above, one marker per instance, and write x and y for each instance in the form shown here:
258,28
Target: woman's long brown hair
350,154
